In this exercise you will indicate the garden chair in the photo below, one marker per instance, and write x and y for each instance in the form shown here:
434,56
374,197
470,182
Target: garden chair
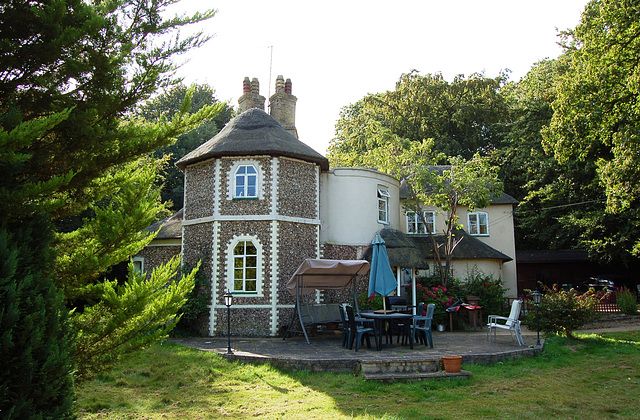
422,324
345,327
357,332
511,324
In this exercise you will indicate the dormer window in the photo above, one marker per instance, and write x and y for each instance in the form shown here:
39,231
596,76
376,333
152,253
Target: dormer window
383,205
479,224
246,182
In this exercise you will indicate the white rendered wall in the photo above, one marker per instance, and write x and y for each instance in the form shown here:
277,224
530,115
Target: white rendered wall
349,205
501,237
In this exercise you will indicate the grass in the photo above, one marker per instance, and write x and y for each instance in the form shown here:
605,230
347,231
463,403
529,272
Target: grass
591,377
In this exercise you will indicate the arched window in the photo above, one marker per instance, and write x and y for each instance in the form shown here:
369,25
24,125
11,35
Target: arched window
245,267
245,182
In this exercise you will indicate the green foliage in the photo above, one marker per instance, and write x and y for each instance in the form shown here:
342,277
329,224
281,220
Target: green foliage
130,316
429,290
196,306
490,291
465,182
166,106
374,302
71,77
626,301
596,124
36,365
459,116
563,312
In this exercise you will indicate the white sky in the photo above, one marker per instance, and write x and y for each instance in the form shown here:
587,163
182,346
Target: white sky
335,52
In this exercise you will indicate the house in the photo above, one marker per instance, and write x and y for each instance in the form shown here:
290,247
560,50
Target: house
258,201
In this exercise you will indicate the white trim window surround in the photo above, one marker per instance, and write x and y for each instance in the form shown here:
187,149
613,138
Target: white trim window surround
383,205
245,181
244,262
138,264
478,223
427,224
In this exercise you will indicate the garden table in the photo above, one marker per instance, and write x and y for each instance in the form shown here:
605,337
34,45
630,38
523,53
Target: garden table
388,318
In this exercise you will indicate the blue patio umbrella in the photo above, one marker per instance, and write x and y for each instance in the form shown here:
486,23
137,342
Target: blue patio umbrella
381,278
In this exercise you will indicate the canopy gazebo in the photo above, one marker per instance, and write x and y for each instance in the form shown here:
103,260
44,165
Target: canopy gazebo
314,275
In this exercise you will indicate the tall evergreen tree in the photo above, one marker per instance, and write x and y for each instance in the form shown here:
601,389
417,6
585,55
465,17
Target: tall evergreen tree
166,105
72,152
35,340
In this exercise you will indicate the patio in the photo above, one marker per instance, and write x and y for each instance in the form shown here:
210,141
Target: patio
325,353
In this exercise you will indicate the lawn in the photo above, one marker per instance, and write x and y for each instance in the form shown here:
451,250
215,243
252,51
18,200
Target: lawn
593,376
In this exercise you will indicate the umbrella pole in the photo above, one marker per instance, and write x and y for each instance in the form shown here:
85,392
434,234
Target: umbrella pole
384,305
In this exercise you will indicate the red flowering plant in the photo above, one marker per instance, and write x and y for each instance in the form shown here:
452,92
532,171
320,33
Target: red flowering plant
437,295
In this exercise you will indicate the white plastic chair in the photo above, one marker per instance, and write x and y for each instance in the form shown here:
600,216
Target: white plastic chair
511,324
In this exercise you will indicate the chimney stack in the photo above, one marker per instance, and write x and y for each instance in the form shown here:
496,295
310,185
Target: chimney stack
282,105
251,97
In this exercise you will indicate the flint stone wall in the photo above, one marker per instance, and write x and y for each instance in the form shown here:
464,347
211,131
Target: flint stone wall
297,189
296,242
247,206
344,252
199,190
155,256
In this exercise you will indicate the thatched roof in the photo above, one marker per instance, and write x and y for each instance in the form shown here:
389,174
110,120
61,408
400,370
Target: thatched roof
402,250
469,248
413,251
254,132
170,228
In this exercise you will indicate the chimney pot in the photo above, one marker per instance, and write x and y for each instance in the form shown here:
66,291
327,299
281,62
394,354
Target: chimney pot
287,87
246,85
255,86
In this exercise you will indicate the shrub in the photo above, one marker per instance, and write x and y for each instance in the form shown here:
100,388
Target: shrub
366,302
627,302
196,306
429,290
490,291
563,311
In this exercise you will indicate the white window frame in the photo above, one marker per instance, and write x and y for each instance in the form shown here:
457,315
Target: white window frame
383,205
140,261
246,177
478,224
416,227
231,268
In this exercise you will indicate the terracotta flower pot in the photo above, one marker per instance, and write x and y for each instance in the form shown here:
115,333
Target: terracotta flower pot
452,363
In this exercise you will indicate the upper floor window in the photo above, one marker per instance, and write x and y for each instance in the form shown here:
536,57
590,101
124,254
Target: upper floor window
426,224
246,182
383,205
479,223
245,267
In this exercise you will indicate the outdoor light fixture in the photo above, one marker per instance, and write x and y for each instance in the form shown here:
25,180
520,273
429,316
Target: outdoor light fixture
537,297
228,301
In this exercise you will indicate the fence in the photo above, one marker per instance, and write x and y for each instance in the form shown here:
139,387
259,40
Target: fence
606,305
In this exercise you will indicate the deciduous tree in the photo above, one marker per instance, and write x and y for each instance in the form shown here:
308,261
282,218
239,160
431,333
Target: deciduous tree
460,117
596,123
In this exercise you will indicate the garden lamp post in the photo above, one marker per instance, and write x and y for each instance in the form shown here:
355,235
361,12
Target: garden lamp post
228,301
537,297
